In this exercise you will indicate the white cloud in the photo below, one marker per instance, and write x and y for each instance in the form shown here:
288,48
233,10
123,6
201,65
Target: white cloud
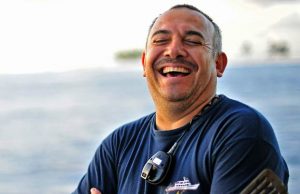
290,22
287,29
271,2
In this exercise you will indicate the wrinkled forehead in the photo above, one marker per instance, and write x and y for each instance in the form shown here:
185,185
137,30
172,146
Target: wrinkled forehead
183,18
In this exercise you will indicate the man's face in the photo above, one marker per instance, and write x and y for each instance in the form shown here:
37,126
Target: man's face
178,60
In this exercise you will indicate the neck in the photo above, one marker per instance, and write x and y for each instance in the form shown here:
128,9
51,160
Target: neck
173,116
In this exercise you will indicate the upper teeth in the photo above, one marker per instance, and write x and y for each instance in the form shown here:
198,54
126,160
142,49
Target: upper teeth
175,69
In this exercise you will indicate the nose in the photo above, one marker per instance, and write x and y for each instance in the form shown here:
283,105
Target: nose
175,49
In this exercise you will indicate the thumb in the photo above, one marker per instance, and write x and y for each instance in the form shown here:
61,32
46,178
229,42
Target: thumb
95,191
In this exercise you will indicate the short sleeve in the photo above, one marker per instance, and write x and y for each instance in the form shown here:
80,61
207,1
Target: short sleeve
245,146
101,172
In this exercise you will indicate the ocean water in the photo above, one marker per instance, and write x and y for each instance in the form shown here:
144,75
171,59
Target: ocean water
52,123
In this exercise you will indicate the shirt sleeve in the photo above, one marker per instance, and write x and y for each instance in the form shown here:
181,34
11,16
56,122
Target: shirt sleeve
101,172
247,146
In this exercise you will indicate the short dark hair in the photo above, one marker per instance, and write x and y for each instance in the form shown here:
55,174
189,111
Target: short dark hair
217,37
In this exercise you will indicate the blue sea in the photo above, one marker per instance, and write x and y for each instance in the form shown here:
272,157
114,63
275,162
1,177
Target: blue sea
52,123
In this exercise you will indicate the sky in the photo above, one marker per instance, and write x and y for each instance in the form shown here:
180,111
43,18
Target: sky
62,35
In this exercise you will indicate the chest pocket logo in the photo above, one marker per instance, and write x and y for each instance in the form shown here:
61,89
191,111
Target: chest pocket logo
182,185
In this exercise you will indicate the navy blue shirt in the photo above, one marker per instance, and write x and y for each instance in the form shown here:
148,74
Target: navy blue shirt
222,151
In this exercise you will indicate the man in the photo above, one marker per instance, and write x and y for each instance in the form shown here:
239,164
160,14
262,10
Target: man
218,145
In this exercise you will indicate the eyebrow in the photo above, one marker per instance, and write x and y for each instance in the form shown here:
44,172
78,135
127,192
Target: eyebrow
160,32
192,32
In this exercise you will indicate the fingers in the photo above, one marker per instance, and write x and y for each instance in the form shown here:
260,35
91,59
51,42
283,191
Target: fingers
95,191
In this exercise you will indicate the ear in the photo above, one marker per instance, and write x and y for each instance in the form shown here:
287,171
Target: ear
221,63
143,63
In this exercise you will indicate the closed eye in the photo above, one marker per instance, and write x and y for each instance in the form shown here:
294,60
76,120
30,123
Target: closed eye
160,41
194,43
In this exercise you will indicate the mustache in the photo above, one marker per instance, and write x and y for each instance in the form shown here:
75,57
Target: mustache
175,61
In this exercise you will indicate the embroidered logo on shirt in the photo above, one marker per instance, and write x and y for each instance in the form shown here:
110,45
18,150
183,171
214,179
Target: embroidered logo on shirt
182,186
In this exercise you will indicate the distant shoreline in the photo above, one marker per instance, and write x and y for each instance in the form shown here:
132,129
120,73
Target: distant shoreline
264,61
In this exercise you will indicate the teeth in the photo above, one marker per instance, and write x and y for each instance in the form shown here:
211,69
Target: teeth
175,69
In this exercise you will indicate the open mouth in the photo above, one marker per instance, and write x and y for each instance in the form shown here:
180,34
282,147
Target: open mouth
175,71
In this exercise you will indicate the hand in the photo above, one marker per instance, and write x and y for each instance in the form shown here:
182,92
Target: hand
95,191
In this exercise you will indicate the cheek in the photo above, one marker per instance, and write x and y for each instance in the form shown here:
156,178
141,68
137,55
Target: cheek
148,64
153,54
205,60
206,68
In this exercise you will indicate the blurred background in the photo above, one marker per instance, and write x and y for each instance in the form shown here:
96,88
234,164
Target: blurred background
70,73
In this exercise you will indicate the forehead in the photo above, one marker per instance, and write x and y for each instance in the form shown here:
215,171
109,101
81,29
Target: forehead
182,19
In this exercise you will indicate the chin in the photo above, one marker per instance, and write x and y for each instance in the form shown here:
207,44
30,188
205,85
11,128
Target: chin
177,97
